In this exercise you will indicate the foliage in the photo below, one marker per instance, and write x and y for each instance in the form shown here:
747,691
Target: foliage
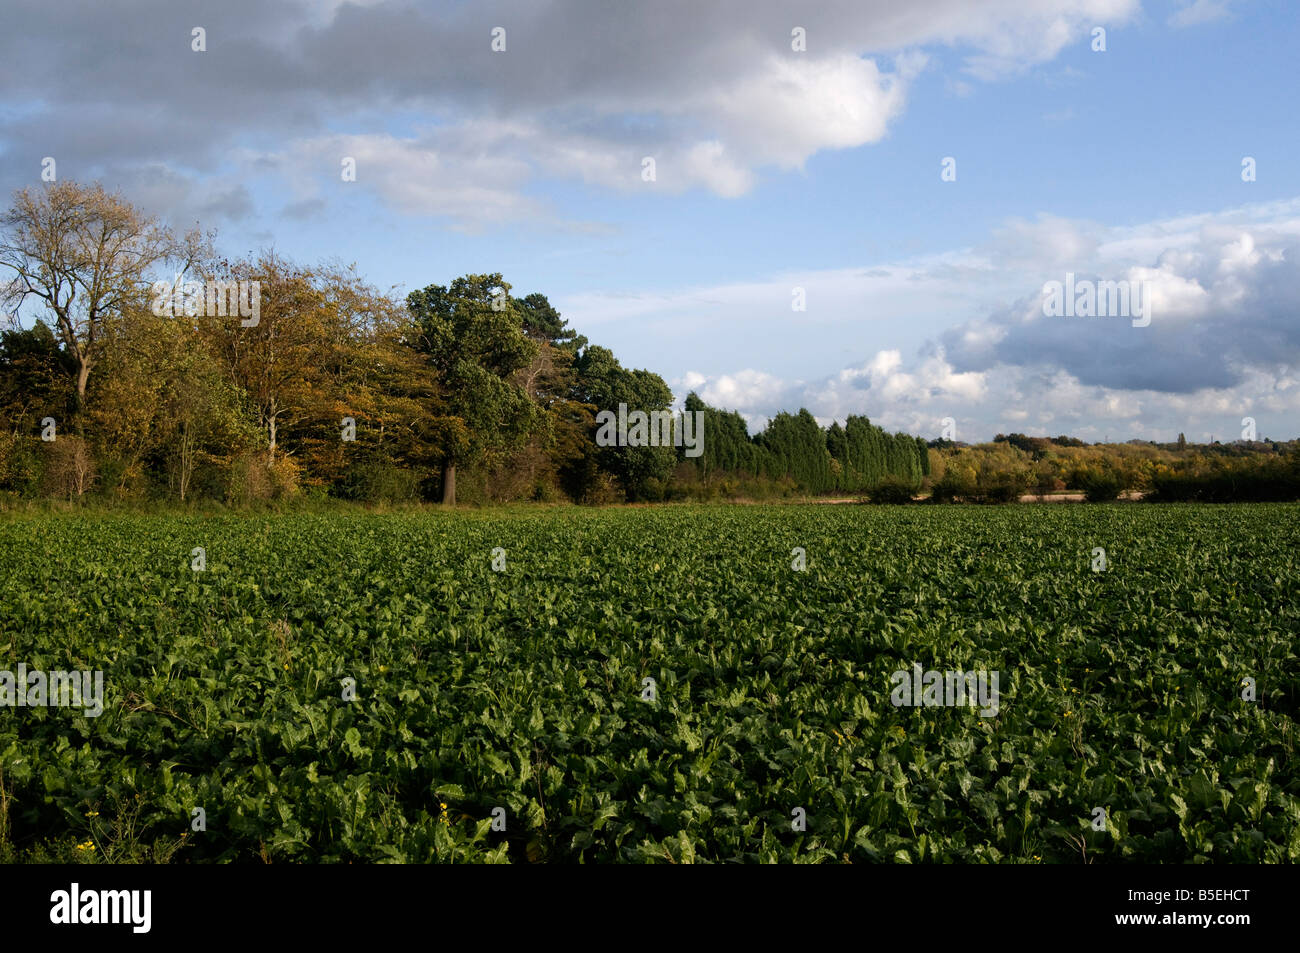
474,337
1252,479
84,254
351,392
522,689
891,490
1101,485
603,383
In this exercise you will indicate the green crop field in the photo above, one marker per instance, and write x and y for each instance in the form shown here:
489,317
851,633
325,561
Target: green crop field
369,687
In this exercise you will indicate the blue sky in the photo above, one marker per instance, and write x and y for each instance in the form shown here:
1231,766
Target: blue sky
775,169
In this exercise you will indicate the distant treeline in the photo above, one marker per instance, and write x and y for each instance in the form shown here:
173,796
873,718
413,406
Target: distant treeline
131,387
794,449
1014,465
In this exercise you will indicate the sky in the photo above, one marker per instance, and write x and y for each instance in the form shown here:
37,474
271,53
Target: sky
853,209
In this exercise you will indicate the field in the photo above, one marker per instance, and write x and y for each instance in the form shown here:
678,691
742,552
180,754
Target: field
522,690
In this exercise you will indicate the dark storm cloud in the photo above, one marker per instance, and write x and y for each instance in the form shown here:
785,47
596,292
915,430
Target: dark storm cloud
1230,315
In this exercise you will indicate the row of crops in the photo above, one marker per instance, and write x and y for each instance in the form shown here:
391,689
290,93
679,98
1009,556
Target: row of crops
473,686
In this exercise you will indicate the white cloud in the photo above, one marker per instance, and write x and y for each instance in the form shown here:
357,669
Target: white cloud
582,92
747,388
787,110
1223,340
1196,12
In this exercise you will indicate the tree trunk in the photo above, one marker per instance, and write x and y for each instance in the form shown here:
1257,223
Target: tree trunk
187,459
83,374
449,484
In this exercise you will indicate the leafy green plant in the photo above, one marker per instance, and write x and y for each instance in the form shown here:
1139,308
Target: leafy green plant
521,690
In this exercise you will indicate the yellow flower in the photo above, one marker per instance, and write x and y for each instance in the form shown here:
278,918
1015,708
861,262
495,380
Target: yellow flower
1069,714
383,668
92,813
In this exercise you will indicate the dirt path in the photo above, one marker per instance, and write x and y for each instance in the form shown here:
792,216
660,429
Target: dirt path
1027,498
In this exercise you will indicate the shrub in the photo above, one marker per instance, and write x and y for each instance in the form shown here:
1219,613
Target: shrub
284,473
248,480
891,490
20,464
601,491
957,483
379,483
1002,486
1247,481
69,467
1101,486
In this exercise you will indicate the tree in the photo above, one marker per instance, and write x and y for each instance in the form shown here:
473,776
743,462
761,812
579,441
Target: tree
201,416
34,377
125,399
391,391
35,383
160,404
281,362
365,372
558,451
837,445
473,335
603,383
84,254
796,448
542,323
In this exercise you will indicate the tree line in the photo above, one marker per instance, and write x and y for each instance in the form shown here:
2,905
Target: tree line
338,389
1013,465
327,387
